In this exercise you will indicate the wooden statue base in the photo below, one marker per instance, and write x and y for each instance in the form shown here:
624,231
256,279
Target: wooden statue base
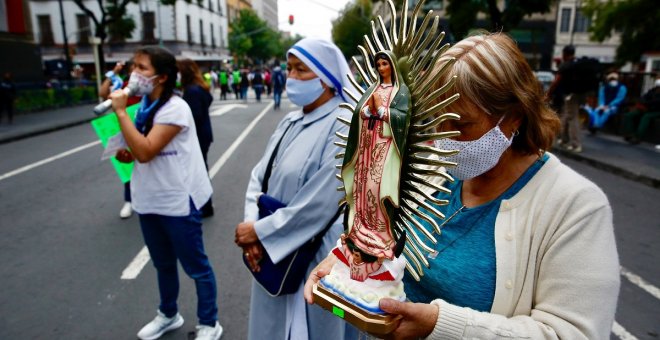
375,324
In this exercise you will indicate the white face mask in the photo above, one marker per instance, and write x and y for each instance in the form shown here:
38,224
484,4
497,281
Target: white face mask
657,82
614,83
475,157
303,92
145,85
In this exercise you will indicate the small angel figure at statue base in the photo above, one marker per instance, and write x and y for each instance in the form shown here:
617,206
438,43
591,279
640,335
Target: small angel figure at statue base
351,278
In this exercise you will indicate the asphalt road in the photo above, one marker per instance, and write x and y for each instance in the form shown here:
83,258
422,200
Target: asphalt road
64,248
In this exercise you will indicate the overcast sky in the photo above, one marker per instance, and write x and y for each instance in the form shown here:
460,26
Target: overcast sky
312,18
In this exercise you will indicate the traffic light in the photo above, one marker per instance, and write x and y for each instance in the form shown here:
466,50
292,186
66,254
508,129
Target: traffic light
291,19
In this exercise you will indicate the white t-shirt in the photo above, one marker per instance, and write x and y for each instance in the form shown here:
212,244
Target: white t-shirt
165,184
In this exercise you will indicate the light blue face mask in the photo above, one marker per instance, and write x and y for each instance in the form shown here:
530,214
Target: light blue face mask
303,92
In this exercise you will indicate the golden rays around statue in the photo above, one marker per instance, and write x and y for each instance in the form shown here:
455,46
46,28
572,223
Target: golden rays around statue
389,168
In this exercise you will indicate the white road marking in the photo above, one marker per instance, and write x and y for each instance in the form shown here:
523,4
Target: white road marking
226,108
48,160
621,332
641,283
135,267
141,259
216,167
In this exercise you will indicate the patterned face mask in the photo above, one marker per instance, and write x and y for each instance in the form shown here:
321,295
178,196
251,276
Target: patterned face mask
475,157
145,85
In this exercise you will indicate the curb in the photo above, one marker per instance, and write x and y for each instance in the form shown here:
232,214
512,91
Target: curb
626,173
46,130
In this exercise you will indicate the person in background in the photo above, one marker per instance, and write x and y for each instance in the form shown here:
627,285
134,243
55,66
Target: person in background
113,81
610,97
267,81
527,249
256,78
245,85
236,83
223,79
279,80
565,81
198,96
7,97
303,177
169,184
647,110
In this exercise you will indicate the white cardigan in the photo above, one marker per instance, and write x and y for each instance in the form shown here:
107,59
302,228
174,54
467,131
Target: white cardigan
557,265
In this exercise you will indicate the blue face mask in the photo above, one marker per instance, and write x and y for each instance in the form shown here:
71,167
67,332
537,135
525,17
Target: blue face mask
303,92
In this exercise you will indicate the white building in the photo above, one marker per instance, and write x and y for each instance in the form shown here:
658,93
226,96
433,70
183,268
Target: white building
267,11
189,30
573,29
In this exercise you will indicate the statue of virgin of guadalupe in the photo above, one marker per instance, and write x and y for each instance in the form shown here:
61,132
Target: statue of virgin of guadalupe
371,172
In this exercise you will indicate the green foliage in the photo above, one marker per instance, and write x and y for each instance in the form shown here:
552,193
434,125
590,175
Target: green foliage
353,22
251,38
463,14
637,20
43,99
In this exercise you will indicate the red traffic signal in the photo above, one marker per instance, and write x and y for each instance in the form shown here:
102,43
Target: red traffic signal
291,19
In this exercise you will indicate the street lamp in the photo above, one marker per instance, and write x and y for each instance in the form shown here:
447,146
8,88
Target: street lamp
67,57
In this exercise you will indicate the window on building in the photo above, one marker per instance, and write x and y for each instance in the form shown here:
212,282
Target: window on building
189,29
201,32
45,30
429,4
210,5
148,25
565,20
220,9
582,22
83,29
212,37
222,38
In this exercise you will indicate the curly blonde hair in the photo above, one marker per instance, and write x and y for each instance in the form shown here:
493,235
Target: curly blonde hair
493,75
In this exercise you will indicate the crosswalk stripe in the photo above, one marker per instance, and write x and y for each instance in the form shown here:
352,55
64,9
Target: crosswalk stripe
621,332
641,283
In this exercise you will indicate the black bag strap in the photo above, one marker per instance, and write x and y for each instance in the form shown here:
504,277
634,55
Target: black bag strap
269,167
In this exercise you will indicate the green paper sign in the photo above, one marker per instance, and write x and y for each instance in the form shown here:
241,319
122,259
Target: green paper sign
338,311
107,126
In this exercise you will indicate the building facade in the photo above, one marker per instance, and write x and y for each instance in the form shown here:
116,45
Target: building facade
267,11
235,6
190,30
18,52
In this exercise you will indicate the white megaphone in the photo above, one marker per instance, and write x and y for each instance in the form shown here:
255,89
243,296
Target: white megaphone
102,108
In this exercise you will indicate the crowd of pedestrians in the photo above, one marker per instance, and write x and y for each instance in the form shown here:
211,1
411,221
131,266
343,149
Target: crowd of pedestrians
262,80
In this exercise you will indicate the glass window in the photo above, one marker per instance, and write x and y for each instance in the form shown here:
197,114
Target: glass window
582,22
148,25
83,29
565,20
46,30
189,29
201,32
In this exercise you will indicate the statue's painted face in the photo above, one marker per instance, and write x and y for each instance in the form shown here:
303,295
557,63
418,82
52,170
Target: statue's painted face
384,68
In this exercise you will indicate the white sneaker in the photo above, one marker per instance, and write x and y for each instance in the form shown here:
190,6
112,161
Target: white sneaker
126,210
159,325
208,332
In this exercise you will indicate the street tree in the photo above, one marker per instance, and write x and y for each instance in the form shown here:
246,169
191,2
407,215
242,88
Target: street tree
113,12
352,23
463,14
636,20
252,39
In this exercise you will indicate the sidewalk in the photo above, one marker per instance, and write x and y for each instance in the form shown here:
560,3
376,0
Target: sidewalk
610,153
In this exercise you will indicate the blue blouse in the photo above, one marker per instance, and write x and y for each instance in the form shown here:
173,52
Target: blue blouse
463,272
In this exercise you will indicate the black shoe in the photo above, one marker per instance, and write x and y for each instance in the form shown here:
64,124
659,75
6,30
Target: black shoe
634,140
593,130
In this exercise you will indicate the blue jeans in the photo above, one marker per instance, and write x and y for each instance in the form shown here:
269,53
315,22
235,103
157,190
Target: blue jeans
169,238
258,89
277,96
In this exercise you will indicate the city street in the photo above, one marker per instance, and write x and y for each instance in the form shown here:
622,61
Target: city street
72,269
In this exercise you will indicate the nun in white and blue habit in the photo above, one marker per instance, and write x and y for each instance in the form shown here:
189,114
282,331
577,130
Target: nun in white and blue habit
303,178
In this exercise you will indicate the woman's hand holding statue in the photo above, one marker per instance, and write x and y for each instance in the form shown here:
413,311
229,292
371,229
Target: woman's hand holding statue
418,318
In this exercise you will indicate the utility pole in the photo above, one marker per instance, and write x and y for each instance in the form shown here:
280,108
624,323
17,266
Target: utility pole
67,57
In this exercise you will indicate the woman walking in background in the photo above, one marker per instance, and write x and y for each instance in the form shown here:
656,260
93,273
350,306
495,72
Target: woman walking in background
196,92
